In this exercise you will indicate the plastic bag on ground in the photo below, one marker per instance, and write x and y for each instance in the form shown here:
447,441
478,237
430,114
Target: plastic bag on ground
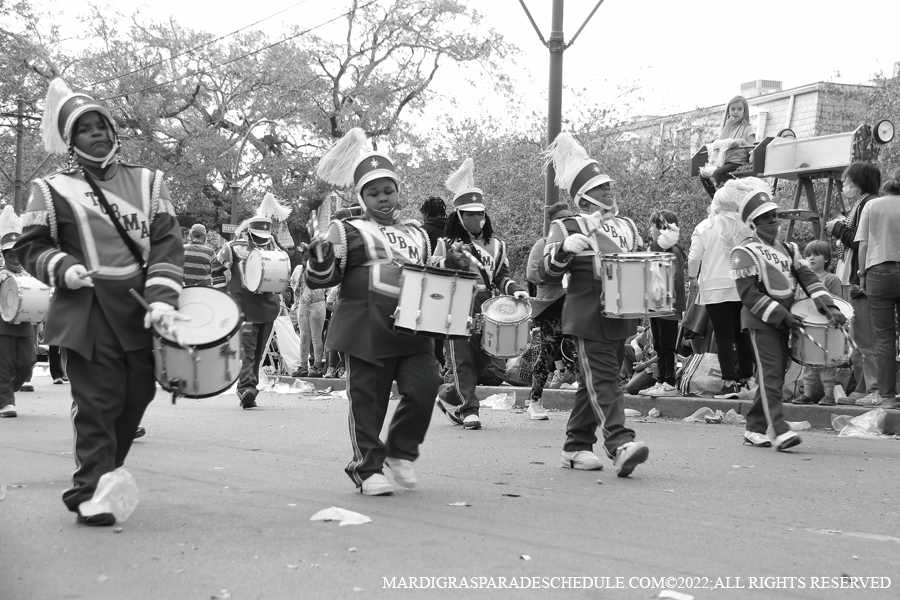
699,415
342,515
303,387
838,422
733,418
714,419
799,425
866,425
117,492
630,412
499,401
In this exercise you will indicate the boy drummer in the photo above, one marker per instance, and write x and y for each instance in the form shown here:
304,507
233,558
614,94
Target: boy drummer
571,245
767,272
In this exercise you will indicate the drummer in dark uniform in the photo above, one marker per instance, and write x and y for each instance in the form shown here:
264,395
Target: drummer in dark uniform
260,309
572,243
365,255
469,229
17,349
95,231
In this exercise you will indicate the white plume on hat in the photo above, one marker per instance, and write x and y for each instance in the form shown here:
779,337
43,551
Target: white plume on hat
463,179
337,165
270,207
567,157
56,94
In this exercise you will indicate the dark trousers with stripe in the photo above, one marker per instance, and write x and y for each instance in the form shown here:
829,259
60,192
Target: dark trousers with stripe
771,349
598,399
368,391
110,392
254,338
17,358
468,363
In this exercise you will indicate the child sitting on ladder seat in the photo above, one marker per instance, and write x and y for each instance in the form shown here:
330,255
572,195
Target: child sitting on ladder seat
735,127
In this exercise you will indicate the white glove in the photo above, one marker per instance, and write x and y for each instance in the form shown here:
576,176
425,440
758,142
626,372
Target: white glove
521,295
78,277
576,243
164,316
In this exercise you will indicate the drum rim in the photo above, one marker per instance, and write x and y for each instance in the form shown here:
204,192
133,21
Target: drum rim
439,271
837,301
209,395
206,345
527,317
637,256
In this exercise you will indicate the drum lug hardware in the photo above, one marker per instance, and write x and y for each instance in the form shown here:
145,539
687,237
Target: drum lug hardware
176,386
226,352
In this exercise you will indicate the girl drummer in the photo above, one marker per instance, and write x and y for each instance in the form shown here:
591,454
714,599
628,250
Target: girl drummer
364,254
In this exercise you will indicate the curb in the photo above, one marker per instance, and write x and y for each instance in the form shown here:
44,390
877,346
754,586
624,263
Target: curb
672,407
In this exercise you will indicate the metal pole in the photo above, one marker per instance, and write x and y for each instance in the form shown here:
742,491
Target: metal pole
554,104
18,203
235,196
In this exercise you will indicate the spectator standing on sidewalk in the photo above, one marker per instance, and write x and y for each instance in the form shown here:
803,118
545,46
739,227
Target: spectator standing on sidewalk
198,257
878,236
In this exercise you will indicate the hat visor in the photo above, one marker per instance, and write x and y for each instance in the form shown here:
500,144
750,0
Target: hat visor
472,207
260,233
761,210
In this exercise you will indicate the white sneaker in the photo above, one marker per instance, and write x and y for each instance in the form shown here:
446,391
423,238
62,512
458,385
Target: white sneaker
472,422
628,456
786,440
376,485
537,411
872,399
402,469
664,390
649,391
760,440
581,460
8,411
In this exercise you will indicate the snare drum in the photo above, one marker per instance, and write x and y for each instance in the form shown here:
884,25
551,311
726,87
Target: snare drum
636,285
213,362
267,271
804,351
505,326
24,300
435,302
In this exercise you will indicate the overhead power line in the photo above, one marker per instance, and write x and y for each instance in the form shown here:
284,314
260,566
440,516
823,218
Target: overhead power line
241,57
195,48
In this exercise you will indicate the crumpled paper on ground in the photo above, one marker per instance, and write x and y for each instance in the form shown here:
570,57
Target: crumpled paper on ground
630,412
799,425
344,516
499,401
700,415
867,425
117,492
732,417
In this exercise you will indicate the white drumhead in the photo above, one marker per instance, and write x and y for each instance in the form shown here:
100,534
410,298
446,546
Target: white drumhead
806,310
213,315
9,299
253,270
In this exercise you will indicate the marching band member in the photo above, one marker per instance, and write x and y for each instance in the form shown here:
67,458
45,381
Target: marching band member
94,231
260,309
364,254
571,245
767,272
469,231
17,350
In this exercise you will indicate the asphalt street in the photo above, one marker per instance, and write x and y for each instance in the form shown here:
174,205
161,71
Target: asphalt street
227,495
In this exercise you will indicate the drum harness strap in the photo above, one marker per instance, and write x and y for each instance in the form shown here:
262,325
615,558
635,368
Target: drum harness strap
101,197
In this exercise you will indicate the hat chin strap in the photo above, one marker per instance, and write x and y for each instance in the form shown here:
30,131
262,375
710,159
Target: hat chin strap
383,218
104,162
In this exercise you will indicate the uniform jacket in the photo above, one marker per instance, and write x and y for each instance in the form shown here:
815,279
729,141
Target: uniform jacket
767,278
496,265
65,225
22,329
581,313
366,261
228,273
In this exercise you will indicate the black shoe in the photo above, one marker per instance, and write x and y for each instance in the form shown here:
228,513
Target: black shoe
101,520
26,387
139,432
730,391
449,410
248,399
300,373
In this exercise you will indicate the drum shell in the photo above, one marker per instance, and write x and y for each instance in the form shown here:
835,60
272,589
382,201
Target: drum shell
806,353
267,271
504,338
24,300
435,302
626,280
215,364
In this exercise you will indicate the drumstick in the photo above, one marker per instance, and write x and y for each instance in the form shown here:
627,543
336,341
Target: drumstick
315,224
90,273
846,332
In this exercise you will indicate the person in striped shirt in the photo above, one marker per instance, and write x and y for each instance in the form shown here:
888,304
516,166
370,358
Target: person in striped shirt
197,259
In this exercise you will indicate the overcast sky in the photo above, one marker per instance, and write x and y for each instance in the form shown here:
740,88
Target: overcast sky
683,54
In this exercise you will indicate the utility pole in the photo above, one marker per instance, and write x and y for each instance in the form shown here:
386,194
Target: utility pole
18,202
557,47
554,99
